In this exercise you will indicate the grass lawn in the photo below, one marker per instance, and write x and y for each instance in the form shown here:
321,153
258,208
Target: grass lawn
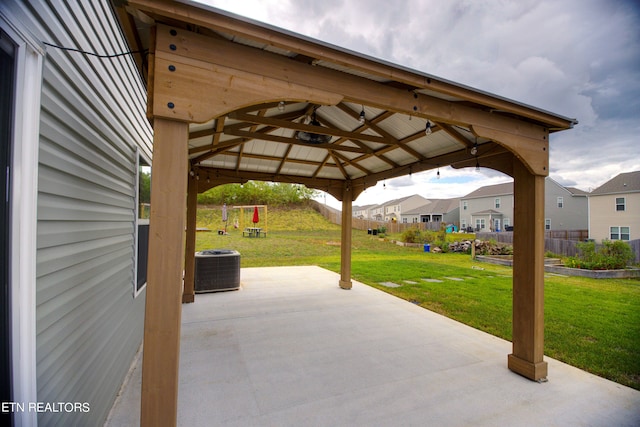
591,324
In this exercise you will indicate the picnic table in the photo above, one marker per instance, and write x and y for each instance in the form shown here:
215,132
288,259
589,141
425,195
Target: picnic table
254,232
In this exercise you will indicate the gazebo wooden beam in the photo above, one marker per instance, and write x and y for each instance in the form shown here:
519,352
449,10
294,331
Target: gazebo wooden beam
311,49
161,354
214,65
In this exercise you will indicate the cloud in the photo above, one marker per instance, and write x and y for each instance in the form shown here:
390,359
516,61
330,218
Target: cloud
577,58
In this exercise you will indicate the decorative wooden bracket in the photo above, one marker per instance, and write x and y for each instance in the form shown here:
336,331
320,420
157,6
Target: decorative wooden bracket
532,148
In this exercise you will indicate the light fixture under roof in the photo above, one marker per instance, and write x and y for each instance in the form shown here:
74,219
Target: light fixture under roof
361,119
474,149
311,137
427,129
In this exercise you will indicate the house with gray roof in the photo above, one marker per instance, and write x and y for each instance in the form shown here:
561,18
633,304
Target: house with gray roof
490,208
614,208
437,210
363,212
393,209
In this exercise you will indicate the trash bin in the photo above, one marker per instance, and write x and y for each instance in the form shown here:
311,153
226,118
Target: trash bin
427,247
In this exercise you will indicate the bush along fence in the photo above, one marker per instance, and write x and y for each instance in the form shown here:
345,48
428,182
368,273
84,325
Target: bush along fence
567,248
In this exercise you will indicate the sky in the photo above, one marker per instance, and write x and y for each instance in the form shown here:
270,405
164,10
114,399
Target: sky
576,58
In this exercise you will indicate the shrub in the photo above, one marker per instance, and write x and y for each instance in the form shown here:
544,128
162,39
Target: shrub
411,235
609,256
442,244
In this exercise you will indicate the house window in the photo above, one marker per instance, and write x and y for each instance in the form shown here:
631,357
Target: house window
142,237
619,233
480,224
404,220
464,224
464,206
560,201
547,224
506,222
497,203
620,204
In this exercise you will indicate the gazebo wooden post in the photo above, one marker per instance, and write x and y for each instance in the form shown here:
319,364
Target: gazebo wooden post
528,275
159,401
188,295
345,241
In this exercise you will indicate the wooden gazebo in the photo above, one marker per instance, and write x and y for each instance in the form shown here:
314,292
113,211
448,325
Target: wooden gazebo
233,100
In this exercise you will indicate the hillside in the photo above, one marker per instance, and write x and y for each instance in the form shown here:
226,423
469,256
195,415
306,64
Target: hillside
294,218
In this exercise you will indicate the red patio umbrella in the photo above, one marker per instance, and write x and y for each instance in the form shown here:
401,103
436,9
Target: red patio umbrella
256,218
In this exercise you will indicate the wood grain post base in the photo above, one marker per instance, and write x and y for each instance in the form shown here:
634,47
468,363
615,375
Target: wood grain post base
533,371
345,285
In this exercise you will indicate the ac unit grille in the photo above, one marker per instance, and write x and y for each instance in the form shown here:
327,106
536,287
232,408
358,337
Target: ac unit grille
217,270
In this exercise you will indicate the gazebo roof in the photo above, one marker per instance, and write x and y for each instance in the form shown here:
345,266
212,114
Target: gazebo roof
262,140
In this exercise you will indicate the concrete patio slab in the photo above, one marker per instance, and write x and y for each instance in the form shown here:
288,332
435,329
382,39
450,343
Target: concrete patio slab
291,348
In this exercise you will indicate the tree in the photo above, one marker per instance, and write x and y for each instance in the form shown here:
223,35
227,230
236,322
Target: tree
257,193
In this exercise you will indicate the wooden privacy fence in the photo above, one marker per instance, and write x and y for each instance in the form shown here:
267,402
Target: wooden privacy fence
557,246
335,216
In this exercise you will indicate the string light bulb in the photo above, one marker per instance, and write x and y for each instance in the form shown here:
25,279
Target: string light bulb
477,165
427,129
362,118
474,149
438,174
281,106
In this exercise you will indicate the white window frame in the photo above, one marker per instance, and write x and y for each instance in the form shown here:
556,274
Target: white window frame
619,232
623,204
137,291
497,203
465,205
547,223
28,54
560,202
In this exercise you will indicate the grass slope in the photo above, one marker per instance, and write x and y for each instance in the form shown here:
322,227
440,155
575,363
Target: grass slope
591,324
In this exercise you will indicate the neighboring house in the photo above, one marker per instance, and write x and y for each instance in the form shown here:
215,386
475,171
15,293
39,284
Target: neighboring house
362,212
74,134
376,213
565,208
490,208
437,210
393,209
614,209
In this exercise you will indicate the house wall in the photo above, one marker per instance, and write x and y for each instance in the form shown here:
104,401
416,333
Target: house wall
603,214
92,129
396,209
485,203
572,215
452,217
